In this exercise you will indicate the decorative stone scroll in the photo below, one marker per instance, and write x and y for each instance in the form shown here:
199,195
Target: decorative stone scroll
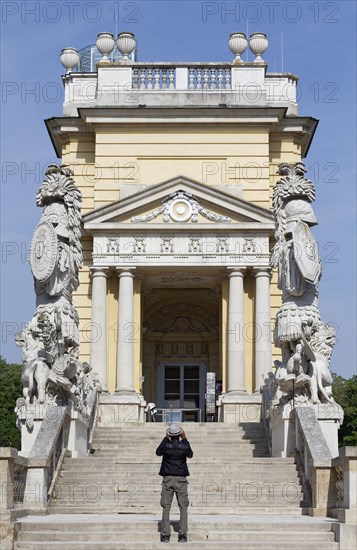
181,206
52,373
306,342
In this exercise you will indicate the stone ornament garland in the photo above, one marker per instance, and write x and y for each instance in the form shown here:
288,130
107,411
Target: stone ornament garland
181,206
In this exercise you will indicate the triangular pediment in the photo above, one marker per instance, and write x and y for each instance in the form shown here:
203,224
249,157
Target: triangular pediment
179,200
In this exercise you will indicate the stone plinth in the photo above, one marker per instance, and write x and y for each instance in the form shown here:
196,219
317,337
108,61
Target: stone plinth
117,408
330,417
77,435
239,407
30,420
281,429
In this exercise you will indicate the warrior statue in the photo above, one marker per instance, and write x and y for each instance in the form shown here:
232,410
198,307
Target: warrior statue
52,372
306,342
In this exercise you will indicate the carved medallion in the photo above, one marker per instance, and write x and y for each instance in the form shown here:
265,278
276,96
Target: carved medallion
43,252
180,210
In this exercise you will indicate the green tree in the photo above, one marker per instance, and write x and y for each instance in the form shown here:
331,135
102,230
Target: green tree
10,390
345,393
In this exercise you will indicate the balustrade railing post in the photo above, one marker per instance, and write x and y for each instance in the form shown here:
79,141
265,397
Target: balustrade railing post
181,78
7,458
135,78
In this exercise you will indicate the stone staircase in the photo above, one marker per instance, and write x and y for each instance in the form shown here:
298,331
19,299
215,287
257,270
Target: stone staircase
239,496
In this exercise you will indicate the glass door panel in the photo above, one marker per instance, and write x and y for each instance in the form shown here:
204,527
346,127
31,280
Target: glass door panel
183,388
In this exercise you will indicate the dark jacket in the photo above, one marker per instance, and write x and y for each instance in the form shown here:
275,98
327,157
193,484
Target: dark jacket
174,457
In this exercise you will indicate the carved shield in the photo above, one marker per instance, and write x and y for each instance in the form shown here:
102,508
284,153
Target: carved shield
43,252
306,252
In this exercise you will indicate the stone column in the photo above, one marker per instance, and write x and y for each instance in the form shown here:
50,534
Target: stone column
263,351
98,341
126,331
235,340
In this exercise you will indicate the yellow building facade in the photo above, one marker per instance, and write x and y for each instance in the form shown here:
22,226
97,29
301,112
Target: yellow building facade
176,173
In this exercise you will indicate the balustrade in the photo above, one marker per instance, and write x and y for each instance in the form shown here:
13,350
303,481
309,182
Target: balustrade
196,77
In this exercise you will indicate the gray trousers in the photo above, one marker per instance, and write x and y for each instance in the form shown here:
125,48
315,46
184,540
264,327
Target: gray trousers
174,485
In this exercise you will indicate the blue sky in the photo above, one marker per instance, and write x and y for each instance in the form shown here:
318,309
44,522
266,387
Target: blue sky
318,40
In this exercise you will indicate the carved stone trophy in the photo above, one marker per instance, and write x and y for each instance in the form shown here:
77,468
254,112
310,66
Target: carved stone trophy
303,375
52,373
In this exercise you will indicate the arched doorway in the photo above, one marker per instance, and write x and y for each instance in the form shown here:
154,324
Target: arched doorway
180,345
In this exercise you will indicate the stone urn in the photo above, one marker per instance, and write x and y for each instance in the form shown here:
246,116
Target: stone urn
237,44
69,58
105,44
258,43
126,44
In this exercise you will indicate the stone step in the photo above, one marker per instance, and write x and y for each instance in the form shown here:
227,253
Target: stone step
239,462
194,484
230,473
152,435
197,458
103,479
207,499
151,523
279,512
217,446
187,426
152,536
266,460
107,456
201,545
214,442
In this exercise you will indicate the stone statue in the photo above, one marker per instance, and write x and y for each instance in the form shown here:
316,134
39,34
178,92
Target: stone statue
52,372
306,342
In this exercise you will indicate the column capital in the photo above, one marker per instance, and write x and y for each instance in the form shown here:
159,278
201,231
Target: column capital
258,271
236,272
99,271
125,272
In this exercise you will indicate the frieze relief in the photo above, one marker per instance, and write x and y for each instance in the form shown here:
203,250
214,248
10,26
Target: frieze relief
249,246
208,248
181,349
167,245
195,245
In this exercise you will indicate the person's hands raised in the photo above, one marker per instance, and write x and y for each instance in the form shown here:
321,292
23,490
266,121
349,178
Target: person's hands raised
183,435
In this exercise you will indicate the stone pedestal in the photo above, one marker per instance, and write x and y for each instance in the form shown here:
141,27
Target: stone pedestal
282,431
239,407
329,417
120,408
29,421
77,434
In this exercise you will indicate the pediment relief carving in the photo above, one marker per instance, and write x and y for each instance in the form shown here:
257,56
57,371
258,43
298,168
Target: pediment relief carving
181,206
177,201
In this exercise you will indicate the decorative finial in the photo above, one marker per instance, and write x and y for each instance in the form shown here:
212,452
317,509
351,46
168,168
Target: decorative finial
69,58
258,44
105,44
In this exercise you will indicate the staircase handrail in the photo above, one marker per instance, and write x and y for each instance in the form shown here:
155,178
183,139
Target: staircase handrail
46,454
93,416
311,452
265,414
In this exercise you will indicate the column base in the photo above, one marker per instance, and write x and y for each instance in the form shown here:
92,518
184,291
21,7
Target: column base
236,406
121,407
